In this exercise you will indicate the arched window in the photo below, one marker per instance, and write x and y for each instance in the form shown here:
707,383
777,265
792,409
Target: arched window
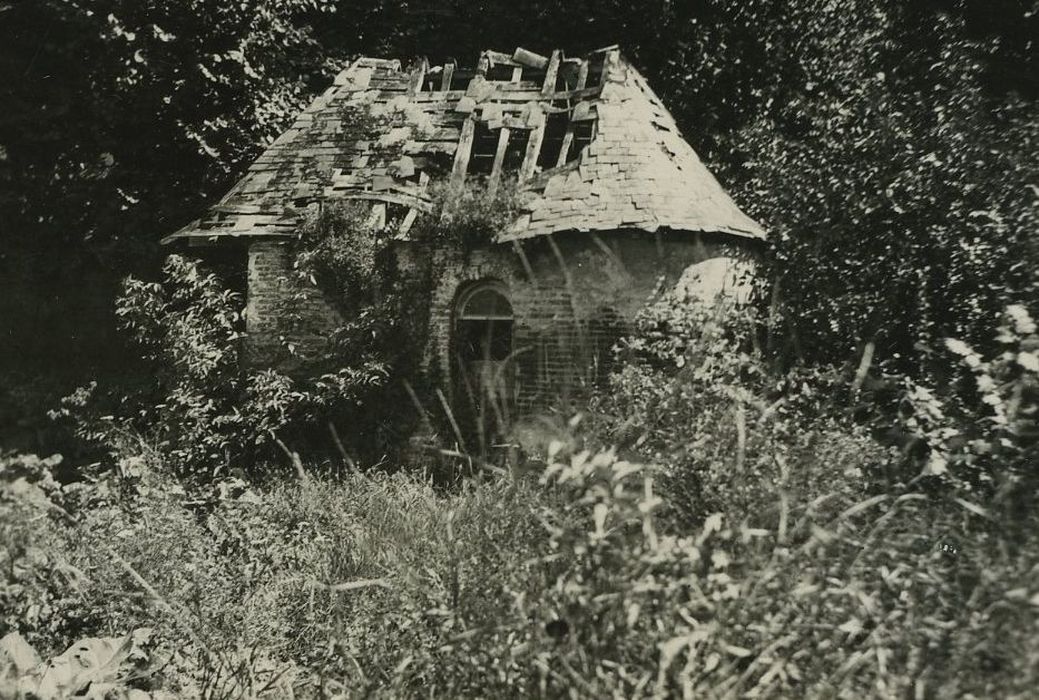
484,375
484,324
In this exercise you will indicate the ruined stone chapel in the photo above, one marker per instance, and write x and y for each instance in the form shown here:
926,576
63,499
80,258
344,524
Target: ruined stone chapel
615,207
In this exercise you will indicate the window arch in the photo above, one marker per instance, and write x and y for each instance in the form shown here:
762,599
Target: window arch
485,302
483,323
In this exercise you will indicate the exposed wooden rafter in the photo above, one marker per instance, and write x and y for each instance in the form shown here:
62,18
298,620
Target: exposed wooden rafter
448,74
568,138
551,73
439,128
417,77
499,159
530,159
465,149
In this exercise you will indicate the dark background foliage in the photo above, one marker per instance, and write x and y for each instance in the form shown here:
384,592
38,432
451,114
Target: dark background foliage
889,147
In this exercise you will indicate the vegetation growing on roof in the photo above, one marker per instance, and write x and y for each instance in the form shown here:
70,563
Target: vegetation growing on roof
337,249
468,215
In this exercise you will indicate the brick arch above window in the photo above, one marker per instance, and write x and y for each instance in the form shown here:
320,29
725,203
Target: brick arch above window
485,300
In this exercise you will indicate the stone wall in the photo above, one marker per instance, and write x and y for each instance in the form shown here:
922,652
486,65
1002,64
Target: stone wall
573,296
286,321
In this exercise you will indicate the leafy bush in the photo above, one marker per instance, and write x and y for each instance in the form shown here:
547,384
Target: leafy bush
895,180
579,585
467,215
692,393
338,250
833,600
985,432
204,413
348,254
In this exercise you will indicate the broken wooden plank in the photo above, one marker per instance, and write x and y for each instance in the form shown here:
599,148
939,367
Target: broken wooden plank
492,115
499,58
403,167
416,147
408,222
513,92
385,197
582,77
221,233
499,159
465,149
377,220
583,111
564,149
445,79
530,59
517,123
611,69
417,77
530,159
568,138
517,74
551,72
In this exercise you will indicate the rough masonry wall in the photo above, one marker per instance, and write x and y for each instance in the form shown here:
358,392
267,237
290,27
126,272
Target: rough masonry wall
572,297
286,322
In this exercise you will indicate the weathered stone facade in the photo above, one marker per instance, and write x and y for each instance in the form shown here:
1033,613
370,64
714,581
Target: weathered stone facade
286,320
573,296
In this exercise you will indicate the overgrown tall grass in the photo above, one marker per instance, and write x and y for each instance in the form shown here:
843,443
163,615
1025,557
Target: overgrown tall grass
581,583
741,536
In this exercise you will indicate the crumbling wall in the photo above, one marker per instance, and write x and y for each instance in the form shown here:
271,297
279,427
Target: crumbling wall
286,321
573,296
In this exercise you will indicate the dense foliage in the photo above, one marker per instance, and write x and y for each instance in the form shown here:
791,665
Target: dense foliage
899,192
829,494
203,412
802,564
121,119
339,251
467,215
123,112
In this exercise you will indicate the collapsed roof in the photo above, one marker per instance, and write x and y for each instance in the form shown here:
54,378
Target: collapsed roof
590,144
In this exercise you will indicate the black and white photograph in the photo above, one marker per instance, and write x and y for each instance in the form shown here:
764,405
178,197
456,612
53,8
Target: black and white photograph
577,349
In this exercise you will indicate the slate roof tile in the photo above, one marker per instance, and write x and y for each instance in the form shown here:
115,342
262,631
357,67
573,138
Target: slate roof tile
636,172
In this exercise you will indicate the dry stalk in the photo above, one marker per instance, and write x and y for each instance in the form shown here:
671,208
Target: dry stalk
297,463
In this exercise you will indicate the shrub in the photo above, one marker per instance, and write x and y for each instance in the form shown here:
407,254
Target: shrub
338,249
580,585
467,215
984,432
695,396
204,413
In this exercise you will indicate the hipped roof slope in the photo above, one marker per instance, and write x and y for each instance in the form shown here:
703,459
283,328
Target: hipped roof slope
592,146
